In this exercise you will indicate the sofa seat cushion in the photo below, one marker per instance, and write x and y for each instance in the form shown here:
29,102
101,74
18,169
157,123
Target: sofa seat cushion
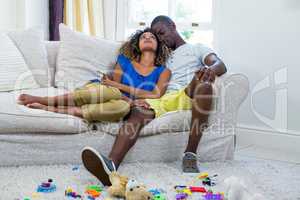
16,118
174,122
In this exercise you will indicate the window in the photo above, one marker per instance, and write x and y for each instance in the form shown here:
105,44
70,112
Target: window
194,18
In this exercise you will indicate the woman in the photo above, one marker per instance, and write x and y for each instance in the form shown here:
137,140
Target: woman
139,73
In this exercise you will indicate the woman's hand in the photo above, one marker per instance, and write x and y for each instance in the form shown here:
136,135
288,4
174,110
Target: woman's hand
128,100
108,82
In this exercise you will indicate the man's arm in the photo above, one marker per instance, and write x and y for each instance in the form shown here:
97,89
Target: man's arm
215,64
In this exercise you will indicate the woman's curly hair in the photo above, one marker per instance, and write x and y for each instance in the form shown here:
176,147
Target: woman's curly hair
131,49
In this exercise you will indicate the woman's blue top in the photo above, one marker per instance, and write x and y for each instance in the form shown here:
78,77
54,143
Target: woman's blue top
134,79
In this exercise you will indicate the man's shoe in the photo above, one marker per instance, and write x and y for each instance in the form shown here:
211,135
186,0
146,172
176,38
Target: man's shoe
189,163
98,165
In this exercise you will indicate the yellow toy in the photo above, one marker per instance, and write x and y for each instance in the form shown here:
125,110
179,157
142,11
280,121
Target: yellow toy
118,185
128,189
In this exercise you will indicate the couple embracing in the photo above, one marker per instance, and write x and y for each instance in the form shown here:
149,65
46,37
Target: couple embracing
156,72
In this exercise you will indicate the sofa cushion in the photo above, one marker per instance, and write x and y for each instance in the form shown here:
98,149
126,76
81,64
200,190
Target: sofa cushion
52,51
80,57
35,55
16,118
14,72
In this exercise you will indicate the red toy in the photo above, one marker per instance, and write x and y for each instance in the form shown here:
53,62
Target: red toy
198,189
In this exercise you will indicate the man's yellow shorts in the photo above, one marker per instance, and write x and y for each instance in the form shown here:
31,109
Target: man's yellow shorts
173,101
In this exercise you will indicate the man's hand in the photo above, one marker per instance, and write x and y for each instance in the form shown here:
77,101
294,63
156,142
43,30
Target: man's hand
205,74
141,103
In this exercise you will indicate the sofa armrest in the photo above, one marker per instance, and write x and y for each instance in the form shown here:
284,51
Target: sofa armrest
231,88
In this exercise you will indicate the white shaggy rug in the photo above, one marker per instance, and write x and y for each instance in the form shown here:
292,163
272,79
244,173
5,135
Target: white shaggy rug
273,180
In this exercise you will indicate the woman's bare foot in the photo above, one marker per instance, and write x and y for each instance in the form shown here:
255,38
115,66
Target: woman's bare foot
37,106
70,110
25,99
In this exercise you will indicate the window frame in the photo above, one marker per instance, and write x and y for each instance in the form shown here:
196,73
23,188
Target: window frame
123,23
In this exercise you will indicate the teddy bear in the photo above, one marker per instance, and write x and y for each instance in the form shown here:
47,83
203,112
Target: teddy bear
137,191
118,185
128,189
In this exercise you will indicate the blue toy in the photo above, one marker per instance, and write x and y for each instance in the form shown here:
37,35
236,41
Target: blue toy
158,194
47,187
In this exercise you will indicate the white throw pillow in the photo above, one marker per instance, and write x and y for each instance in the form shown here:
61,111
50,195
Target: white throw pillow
80,57
14,73
31,45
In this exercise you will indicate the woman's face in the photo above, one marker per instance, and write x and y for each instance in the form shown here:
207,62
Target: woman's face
148,42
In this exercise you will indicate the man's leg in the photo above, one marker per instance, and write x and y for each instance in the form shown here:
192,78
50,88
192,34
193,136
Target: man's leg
201,107
99,165
201,92
129,133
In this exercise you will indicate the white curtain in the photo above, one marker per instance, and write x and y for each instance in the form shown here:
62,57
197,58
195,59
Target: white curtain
85,16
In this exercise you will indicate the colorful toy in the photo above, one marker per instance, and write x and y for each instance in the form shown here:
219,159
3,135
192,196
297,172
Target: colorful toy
203,175
70,193
75,168
158,194
91,198
211,196
47,187
189,190
155,191
159,197
181,196
93,193
198,189
95,187
209,180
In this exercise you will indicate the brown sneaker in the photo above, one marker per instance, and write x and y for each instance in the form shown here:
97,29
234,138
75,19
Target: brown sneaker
98,165
189,163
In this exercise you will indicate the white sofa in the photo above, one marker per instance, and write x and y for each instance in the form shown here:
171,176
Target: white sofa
30,137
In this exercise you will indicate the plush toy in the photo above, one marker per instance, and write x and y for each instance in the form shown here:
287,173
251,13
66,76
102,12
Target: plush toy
118,186
136,191
128,189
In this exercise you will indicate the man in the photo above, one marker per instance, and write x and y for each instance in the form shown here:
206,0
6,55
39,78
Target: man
194,68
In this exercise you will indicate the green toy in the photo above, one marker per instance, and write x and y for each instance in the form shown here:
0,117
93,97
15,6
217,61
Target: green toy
95,188
159,197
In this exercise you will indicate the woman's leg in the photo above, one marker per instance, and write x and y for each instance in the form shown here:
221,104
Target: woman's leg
61,100
70,110
92,95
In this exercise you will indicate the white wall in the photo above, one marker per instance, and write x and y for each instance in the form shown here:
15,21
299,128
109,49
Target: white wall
258,38
37,14
24,14
8,16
